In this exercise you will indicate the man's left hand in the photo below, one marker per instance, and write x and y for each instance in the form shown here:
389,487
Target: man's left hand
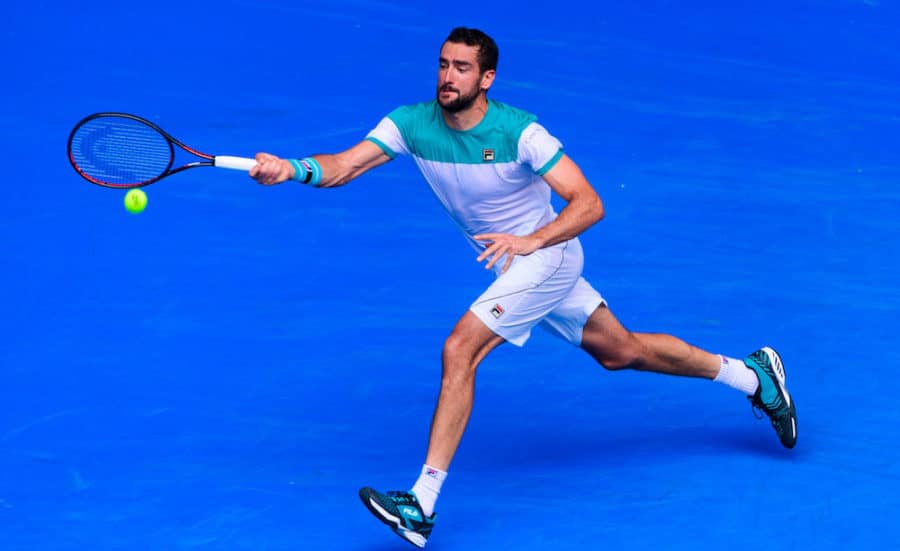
505,244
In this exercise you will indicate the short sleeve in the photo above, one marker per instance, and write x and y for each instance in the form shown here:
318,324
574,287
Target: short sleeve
539,149
388,137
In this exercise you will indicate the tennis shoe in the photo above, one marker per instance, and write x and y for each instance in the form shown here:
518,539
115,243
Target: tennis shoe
772,397
401,512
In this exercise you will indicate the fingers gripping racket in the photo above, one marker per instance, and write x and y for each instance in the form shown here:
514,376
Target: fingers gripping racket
119,150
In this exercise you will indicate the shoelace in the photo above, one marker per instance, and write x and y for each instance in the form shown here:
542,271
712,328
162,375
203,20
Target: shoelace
402,498
757,411
775,418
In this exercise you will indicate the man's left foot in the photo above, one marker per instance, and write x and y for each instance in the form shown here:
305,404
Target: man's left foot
402,512
772,397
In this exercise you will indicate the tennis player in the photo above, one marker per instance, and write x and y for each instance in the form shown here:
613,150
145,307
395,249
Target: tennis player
493,168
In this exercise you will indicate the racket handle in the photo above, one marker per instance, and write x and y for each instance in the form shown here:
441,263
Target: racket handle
234,163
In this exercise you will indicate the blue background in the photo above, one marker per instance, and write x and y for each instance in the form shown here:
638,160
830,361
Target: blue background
225,370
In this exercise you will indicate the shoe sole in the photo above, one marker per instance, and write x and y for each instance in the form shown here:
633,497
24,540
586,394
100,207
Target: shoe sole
393,522
780,376
778,368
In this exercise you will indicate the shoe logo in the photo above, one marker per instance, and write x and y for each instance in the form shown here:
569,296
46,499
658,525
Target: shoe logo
497,311
411,512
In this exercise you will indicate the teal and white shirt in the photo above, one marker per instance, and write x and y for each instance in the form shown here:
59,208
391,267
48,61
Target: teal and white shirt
490,177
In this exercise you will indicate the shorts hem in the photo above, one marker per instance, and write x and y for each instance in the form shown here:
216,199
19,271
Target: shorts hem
500,331
589,309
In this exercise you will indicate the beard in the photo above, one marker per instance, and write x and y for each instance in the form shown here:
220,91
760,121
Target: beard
462,101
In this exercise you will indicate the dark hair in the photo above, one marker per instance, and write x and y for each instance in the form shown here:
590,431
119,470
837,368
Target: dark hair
487,48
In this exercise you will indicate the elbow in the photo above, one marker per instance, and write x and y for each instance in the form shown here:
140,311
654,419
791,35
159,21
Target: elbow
597,210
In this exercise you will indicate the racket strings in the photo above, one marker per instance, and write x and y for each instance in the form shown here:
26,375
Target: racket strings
120,151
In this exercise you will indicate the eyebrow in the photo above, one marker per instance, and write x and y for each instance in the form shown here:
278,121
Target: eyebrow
457,62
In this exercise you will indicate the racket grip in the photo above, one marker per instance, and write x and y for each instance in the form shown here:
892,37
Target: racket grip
234,163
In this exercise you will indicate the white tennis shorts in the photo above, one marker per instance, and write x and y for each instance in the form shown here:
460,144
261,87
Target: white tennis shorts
543,288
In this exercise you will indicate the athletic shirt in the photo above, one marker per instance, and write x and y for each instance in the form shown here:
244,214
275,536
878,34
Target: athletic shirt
489,178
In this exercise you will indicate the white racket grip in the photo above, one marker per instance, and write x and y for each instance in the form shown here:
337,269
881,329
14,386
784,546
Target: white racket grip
234,163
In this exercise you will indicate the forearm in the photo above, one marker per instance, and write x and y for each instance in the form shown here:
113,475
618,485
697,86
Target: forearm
578,215
323,170
337,170
332,170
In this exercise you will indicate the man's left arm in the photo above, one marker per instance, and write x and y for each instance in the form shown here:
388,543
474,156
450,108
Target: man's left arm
583,209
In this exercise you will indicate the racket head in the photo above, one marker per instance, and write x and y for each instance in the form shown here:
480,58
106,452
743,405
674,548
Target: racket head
120,150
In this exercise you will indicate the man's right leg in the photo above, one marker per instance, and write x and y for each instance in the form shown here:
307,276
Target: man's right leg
410,514
468,344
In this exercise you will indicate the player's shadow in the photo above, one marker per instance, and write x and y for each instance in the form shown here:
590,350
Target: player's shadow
638,444
398,545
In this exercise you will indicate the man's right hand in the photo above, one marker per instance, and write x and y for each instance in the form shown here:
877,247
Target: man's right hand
271,170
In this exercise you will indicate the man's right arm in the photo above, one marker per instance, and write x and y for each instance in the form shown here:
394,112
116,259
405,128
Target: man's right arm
337,169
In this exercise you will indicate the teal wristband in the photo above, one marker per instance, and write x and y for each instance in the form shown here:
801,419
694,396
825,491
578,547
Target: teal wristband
307,170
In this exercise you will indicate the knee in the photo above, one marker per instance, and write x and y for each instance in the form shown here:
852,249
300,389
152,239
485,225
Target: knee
617,358
457,359
454,349
618,362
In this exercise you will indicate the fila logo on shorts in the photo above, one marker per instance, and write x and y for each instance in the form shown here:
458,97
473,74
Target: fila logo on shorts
487,154
497,311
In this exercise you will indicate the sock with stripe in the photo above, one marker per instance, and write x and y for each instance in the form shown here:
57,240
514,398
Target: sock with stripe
736,374
428,487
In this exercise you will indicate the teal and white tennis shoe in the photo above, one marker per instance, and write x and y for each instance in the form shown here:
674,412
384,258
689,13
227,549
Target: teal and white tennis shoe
772,397
401,512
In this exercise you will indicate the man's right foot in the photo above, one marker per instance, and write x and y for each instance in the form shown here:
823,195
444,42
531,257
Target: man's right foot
402,512
772,397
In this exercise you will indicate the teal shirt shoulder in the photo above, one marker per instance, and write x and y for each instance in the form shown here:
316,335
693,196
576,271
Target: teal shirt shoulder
495,139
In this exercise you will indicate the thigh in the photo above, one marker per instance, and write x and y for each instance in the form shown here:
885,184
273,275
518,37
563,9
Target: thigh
604,336
523,296
470,341
568,319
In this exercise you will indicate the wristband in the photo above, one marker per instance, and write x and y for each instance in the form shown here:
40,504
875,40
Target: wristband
307,170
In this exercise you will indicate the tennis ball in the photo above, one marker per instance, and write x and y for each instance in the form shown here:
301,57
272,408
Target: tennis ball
135,201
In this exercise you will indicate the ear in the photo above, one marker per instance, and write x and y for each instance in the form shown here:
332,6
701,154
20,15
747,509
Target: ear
487,79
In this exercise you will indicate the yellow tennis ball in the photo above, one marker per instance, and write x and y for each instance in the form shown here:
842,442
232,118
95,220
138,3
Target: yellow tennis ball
135,201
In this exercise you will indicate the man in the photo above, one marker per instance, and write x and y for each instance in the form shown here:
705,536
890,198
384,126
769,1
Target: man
493,168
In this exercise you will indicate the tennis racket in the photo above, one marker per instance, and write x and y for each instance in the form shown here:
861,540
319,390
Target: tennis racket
123,151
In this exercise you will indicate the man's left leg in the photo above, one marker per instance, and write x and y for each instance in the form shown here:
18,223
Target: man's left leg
760,376
615,347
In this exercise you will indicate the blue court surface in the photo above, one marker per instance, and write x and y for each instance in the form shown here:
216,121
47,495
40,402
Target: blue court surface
226,369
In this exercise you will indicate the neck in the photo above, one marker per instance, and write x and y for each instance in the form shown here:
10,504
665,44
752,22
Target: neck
467,118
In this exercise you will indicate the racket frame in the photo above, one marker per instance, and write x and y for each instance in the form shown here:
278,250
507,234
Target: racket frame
209,160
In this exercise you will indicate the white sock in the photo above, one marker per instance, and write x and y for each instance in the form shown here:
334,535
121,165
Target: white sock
428,488
736,374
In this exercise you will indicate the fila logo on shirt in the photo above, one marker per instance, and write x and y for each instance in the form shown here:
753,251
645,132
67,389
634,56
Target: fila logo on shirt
487,154
497,311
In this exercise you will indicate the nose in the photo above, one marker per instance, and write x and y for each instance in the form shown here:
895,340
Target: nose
444,75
